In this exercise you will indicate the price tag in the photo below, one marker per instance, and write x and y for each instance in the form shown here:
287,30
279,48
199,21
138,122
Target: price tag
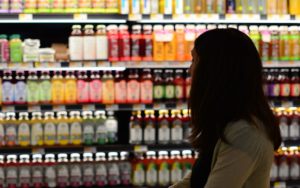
103,64
140,148
138,63
159,106
139,106
134,17
252,16
89,149
292,62
279,185
198,15
38,64
111,107
80,16
38,151
156,16
211,16
114,63
59,108
51,64
8,108
25,16
11,65
159,63
75,64
88,107
23,64
35,108
3,65
89,64
286,103
181,106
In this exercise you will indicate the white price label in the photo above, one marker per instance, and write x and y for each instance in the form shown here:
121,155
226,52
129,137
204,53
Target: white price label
156,16
8,108
140,148
38,151
59,108
88,107
103,64
34,108
139,106
134,17
25,16
111,107
80,16
89,149
159,106
75,64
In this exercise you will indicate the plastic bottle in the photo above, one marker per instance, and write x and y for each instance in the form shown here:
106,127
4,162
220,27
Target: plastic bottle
101,43
95,90
178,7
244,29
11,167
294,130
200,6
163,127
58,88
112,127
186,125
120,87
252,7
138,167
108,88
295,84
136,129
169,86
294,43
274,43
155,6
180,42
2,134
187,84
4,44
70,88
266,85
293,6
89,43
190,34
15,45
37,133
170,43
135,43
45,88
294,163
83,87
76,43
165,6
88,170
164,168
63,129
125,168
88,127
149,127
124,36
146,82
231,6
37,171
151,169
220,6
113,43
133,87
284,84
158,43
100,169
8,89
145,7
262,6
282,7
113,170
284,43
241,6
23,129
176,167
209,6
75,122
158,86
20,88
10,129
187,162
24,171
32,88
283,123
147,43
62,170
75,170
49,129
283,164
272,7
100,127
179,86
274,86
2,172
134,6
176,127
50,171
264,42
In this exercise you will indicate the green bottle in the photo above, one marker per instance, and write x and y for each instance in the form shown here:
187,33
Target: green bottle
15,45
88,127
100,128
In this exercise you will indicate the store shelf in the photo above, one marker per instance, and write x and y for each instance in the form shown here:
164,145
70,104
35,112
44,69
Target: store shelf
285,184
289,64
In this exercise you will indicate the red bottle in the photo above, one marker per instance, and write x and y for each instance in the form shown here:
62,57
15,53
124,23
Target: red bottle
2,171
83,87
50,171
120,87
113,43
8,90
11,167
37,171
187,84
187,162
24,171
158,87
124,37
135,38
295,84
284,80
133,87
146,87
147,43
20,88
179,86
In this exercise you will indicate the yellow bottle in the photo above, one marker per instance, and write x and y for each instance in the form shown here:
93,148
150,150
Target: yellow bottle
166,6
10,129
23,129
190,34
178,7
169,43
58,88
62,129
282,7
294,6
180,42
37,134
71,89
272,6
284,47
49,129
294,43
158,43
75,122
2,129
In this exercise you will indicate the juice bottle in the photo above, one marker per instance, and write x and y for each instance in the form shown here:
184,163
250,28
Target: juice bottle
37,171
176,127
149,127
283,123
23,129
95,87
15,45
274,86
284,43
294,163
84,6
210,6
89,44
75,170
147,43
178,7
169,86
146,7
125,168
190,34
62,170
108,90
75,128
295,84
282,7
58,88
241,6
165,6
76,43
101,43
2,172
37,133
88,170
10,129
294,131
199,6
50,170
4,53
158,86
252,7
220,6
11,167
133,87
230,8
43,6
124,36
32,88
112,127
293,6
2,133
24,171
135,39
274,43
113,43
8,89
146,86
82,87
100,169
179,86
262,6
274,167
294,43
100,127
70,88
49,129
120,87
138,168
264,42
285,88
63,133
151,169
266,82
88,127
163,164
134,6
187,84
154,6
45,88
187,162
244,29
180,42
170,43
186,125
57,6
284,167
135,126
158,43
113,170
163,127
176,166
111,6
20,88
272,7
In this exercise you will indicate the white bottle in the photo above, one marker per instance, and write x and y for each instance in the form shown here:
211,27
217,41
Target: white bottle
76,44
101,169
89,43
111,127
101,43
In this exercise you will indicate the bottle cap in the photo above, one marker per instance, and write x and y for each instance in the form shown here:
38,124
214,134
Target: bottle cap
7,72
14,36
74,113
283,27
49,155
263,28
123,153
274,28
169,71
88,27
76,27
162,153
11,157
200,27
62,155
253,27
158,27
232,26
100,27
293,28
24,156
100,154
3,36
186,152
33,72
111,113
169,27
36,156
149,112
179,26
75,155
243,27
157,71
222,26
112,27
136,27
147,27
175,111
112,154
98,112
1,157
190,26
123,27
178,71
175,152
87,155
150,153
211,26
163,112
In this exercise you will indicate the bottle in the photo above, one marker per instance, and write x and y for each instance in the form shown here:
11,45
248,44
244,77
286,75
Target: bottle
274,167
149,128
244,29
101,169
37,133
135,39
151,169
231,6
264,42
75,170
120,87
15,45
23,129
146,82
75,122
113,43
200,28
190,34
158,86
10,129
108,88
282,7
4,44
88,127
163,127
58,88
134,6
295,84
187,84
88,170
284,43
199,6
124,37
147,43
89,44
294,43
294,131
45,88
274,86
186,6
274,43
133,87
170,43
125,168
83,84
254,36
76,43
158,43
37,171
11,167
284,167
164,168
272,7
32,88
283,123
138,168
176,127
70,88
95,87
49,129
180,42
24,171
165,7
101,43
100,127
50,171
112,127
179,86
136,130
176,167
294,163
2,172
2,135
20,88
63,133
146,7
62,170
252,7
113,170
8,89
169,86
209,6
284,80
186,125
220,6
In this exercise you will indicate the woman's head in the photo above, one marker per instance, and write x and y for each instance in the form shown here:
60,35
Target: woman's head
227,85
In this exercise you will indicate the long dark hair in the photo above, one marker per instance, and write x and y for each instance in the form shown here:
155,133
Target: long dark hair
227,85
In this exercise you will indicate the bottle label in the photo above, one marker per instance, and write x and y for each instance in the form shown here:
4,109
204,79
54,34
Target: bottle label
76,133
82,91
71,91
125,48
75,47
294,168
89,48
158,92
63,133
88,175
186,168
62,176
120,88
179,91
101,132
49,132
15,51
101,174
125,169
148,48
149,131
58,91
180,47
45,90
20,92
4,47
11,176
294,128
7,92
24,177
113,48
32,92
164,131
295,89
101,47
50,176
139,174
75,176
285,90
108,91
136,132
135,47
95,91
113,174
274,90
147,91
176,172
176,134
283,125
24,133
169,91
88,133
164,174
133,91
151,174
37,135
10,134
37,176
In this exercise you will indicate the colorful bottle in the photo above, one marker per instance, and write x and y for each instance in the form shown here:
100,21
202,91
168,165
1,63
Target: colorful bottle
45,88
190,34
149,127
264,42
176,127
231,6
2,132
284,80
272,7
210,6
176,167
169,86
62,170
88,170
82,87
63,130
75,170
274,86
138,168
163,127
147,43
111,127
101,169
120,87
187,162
4,52
75,122
113,170
50,171
158,86
187,84
274,43
135,40
113,43
89,43
164,168
20,88
101,43
24,171
158,43
100,127
295,84
134,6
293,6
76,43
186,125
70,88
180,42
165,6
199,6
294,131
151,169
23,129
220,6
8,89
186,6
244,29
254,36
58,88
282,7
95,90
146,87
133,87
12,168
10,129
33,88
15,45
294,43
136,130
179,86
49,129
124,37
284,43
37,133
283,123
37,171
88,127
125,168
170,43
108,88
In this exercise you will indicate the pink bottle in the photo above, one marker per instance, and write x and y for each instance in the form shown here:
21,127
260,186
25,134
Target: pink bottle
95,87
4,53
124,36
82,87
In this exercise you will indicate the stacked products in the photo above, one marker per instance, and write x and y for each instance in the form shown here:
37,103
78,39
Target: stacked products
163,129
60,130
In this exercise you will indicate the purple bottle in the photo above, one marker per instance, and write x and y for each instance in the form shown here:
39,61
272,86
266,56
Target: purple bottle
16,6
274,86
4,6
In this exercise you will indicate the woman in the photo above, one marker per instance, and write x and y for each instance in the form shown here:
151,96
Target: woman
234,128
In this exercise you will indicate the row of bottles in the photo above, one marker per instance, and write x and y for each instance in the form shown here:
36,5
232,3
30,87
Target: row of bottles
163,129
60,130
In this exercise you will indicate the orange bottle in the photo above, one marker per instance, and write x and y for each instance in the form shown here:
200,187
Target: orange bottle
179,36
170,43
158,43
190,34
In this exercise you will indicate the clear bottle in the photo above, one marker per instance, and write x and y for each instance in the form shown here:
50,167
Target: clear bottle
147,43
37,171
112,128
176,127
101,169
254,36
62,170
49,128
220,6
125,168
23,129
76,44
101,43
50,171
33,88
75,128
274,43
8,88
149,122
2,133
4,44
136,37
113,170
163,125
100,127
138,173
88,127
264,42
83,82
146,82
133,87
284,43
294,43
70,88
180,42
63,129
189,36
108,88
45,88
11,167
136,130
88,170
120,87
158,87
75,170
187,162
24,171
124,43
58,89
169,86
10,129
89,44
179,86
176,167
20,88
